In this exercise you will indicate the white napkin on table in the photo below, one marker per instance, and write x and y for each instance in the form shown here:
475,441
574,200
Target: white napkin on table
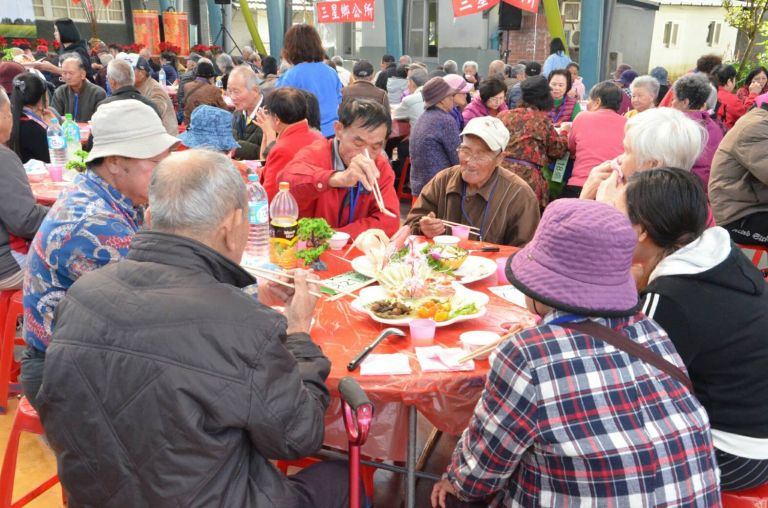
439,359
385,365
510,293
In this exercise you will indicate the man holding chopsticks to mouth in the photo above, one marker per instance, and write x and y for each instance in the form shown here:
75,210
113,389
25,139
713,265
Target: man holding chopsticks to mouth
348,180
495,204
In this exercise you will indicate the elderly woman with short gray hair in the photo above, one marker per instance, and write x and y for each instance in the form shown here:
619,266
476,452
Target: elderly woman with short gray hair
225,64
644,91
660,137
470,73
690,97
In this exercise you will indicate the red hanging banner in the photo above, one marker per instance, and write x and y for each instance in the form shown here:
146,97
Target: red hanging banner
466,7
146,29
347,11
526,5
176,30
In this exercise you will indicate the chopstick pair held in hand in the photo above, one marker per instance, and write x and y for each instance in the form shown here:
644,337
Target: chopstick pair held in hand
376,191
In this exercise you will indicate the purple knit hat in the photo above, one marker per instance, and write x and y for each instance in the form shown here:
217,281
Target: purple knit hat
579,260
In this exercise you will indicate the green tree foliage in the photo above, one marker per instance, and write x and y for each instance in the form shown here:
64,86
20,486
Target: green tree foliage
749,18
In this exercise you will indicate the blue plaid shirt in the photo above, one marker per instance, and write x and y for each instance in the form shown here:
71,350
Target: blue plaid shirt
89,226
566,419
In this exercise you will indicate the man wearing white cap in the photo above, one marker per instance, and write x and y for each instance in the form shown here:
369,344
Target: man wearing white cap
92,224
478,192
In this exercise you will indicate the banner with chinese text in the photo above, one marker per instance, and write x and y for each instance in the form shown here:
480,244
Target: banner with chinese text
526,5
348,11
176,30
466,7
146,29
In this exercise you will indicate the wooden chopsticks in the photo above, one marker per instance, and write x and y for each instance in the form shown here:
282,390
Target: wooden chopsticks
471,228
272,275
376,191
490,347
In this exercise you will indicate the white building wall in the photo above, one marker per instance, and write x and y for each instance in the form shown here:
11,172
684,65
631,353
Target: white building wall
691,39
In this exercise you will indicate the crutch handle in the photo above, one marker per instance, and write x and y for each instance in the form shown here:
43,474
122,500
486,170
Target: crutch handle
352,394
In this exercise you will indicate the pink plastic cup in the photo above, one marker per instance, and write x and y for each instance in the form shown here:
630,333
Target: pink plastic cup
460,231
501,267
56,172
422,332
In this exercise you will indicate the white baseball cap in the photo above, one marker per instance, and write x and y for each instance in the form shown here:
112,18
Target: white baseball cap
491,130
128,128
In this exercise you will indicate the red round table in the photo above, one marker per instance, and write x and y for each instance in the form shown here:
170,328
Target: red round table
446,399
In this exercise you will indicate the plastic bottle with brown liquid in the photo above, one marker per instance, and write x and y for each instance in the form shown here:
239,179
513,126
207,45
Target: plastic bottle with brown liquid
284,211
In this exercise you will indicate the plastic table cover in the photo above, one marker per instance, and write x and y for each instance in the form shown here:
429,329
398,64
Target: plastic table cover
47,191
446,399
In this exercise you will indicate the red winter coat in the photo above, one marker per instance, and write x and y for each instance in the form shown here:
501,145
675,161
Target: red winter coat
291,140
731,108
308,174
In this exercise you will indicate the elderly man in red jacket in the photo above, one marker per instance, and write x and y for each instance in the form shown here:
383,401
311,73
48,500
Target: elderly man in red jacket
333,179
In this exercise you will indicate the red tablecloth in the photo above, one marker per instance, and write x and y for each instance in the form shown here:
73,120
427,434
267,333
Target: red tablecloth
46,192
447,400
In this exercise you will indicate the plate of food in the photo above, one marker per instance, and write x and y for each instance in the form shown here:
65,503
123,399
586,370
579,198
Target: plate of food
445,303
449,260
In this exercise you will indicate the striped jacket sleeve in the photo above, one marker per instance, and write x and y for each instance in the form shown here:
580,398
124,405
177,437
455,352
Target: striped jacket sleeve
674,320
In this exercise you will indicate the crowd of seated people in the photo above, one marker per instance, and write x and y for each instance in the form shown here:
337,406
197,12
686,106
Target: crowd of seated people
630,202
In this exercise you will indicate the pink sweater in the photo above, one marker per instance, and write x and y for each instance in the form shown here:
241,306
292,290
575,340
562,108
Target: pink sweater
595,137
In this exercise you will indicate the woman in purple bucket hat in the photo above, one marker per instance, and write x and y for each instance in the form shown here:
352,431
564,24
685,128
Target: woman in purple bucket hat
593,405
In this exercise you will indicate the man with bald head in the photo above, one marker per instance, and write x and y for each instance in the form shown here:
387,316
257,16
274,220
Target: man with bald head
243,89
496,69
220,382
78,97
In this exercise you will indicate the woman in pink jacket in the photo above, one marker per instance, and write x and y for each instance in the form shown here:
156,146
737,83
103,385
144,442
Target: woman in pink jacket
596,135
489,102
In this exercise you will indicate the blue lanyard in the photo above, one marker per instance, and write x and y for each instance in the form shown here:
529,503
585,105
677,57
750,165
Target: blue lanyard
77,100
559,112
42,123
485,210
567,318
353,193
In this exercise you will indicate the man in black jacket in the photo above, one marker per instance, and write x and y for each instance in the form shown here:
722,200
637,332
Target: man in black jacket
121,79
166,385
388,68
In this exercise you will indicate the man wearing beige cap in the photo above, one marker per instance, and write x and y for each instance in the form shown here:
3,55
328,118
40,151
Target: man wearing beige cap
91,224
478,191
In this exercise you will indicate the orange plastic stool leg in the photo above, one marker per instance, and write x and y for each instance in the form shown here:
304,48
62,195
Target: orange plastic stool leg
7,342
26,420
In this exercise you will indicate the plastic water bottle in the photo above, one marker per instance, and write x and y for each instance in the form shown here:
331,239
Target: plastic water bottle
161,77
284,211
72,134
57,144
258,220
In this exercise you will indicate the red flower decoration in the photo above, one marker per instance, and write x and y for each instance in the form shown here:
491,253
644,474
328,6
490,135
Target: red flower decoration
2,41
168,46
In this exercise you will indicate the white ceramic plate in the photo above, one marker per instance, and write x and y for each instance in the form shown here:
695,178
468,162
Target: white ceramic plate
474,268
373,293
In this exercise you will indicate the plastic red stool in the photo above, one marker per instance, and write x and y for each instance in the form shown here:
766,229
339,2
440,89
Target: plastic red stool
404,174
757,256
750,498
366,472
9,367
26,420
